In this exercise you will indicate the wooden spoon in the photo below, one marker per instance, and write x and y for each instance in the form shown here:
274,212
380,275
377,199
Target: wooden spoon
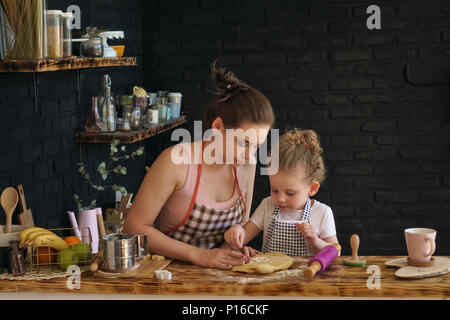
9,200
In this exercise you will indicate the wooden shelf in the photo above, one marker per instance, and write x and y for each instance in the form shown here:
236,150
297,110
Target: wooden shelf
130,136
72,63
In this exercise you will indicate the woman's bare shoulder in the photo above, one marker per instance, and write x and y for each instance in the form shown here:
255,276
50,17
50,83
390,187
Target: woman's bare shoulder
173,162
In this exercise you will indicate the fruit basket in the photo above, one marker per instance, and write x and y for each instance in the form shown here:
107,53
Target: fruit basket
56,249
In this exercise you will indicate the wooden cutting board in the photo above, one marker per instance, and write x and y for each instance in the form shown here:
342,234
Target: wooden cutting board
25,217
440,267
144,269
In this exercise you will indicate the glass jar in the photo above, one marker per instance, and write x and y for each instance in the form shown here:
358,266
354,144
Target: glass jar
161,105
135,118
16,259
29,41
93,47
54,35
126,116
66,27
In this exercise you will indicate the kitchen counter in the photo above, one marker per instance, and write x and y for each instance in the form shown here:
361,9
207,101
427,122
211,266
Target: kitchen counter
337,281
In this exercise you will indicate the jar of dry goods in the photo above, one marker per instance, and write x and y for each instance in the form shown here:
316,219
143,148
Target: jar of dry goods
54,34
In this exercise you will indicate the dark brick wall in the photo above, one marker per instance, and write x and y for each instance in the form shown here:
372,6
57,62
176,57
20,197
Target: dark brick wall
40,114
378,99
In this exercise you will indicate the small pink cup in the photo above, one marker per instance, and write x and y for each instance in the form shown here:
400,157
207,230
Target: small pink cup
421,244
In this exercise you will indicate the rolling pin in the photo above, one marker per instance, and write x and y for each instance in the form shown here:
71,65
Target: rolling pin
98,258
322,260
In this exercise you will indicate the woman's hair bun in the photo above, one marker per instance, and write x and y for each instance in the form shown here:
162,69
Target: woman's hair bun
227,84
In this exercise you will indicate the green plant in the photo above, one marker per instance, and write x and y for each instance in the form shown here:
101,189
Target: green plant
105,169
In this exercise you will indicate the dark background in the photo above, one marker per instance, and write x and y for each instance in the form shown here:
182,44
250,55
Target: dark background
377,98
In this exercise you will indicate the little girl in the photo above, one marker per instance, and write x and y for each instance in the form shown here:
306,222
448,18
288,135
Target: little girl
292,222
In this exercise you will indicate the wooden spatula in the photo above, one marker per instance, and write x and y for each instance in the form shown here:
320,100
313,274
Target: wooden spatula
9,199
98,258
25,217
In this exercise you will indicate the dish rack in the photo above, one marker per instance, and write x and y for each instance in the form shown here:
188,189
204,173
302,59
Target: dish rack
47,258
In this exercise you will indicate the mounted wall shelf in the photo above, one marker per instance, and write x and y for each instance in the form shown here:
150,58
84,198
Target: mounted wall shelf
130,136
64,64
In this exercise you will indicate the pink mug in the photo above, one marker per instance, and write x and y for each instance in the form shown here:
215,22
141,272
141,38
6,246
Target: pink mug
87,218
421,244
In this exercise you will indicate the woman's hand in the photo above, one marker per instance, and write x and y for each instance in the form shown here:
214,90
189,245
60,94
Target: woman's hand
235,236
249,252
308,232
223,258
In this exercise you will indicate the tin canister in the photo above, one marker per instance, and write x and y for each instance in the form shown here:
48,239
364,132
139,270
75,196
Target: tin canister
119,252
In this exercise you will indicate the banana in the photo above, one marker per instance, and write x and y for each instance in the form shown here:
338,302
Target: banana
23,235
50,240
33,235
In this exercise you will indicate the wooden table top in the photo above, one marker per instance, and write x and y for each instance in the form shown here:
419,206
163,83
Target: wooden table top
187,279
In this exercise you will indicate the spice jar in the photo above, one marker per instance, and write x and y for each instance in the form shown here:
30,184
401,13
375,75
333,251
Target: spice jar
93,47
66,29
16,259
54,35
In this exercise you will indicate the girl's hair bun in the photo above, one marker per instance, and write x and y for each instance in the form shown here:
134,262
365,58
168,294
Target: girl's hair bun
305,138
301,148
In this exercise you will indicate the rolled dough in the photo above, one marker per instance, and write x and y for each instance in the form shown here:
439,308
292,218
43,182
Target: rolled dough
266,263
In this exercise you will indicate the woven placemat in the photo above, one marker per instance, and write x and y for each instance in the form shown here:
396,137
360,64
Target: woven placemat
44,273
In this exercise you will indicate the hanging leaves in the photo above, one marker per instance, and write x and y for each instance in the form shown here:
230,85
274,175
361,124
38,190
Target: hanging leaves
105,169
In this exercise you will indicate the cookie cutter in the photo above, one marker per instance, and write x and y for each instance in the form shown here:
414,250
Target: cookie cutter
163,275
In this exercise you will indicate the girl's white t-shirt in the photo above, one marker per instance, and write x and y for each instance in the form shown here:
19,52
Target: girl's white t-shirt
320,217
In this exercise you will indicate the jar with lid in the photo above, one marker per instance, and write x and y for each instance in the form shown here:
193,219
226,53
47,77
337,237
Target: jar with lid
54,34
16,258
66,30
93,46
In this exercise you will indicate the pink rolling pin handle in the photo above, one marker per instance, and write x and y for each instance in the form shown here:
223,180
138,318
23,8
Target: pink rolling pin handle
324,258
74,223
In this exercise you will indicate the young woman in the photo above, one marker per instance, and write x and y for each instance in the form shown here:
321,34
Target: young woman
186,208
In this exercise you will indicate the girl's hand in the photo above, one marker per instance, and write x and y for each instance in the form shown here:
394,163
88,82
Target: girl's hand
249,252
307,231
223,258
235,236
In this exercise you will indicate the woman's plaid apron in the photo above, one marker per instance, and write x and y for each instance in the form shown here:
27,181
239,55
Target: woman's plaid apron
283,236
203,226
